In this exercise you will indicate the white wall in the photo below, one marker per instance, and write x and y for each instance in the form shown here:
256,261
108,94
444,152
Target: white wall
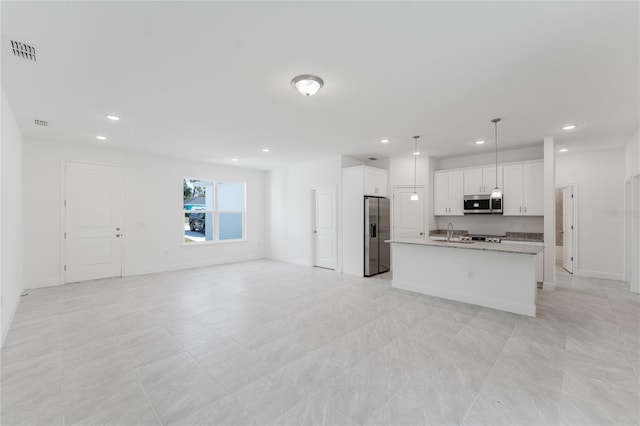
514,155
599,176
288,208
153,210
11,217
632,157
401,170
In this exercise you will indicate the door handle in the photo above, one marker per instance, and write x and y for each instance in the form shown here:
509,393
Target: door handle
118,235
315,232
422,233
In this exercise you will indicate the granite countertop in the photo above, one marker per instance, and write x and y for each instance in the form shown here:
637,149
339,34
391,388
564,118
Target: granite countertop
443,233
537,237
475,245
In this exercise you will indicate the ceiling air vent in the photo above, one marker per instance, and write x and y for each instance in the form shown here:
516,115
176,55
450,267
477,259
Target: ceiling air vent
41,123
23,50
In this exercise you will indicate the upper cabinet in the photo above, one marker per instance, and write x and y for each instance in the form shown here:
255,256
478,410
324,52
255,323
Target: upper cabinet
365,180
481,180
375,182
523,189
447,193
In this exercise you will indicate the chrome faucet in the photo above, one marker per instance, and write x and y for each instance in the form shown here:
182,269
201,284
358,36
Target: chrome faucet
449,231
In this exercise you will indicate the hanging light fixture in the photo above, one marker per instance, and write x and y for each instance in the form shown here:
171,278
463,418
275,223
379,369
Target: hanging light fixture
307,84
496,192
414,196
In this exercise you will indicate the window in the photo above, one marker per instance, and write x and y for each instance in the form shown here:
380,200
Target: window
213,211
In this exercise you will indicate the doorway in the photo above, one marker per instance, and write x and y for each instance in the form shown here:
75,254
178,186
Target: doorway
324,227
92,221
566,226
408,215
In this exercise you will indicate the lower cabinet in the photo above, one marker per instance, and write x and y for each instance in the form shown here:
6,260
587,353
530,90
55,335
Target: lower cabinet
539,257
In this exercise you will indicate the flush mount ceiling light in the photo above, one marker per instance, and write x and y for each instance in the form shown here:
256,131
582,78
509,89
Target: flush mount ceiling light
496,193
414,196
265,149
563,150
479,142
112,117
384,141
307,84
234,159
102,138
569,127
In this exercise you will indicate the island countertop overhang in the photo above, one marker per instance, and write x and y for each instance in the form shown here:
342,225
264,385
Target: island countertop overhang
476,245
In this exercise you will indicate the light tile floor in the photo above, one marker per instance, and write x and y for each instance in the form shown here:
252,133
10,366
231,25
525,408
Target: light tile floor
270,343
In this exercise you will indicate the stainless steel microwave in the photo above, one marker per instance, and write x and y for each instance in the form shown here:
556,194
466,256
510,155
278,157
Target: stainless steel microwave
482,204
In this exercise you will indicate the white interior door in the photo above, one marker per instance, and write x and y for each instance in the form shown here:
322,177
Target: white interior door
93,221
408,216
325,228
567,229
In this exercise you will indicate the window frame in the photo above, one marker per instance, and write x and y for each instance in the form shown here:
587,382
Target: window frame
215,213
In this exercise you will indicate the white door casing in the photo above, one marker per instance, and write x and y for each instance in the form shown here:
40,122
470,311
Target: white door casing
93,221
408,216
325,228
567,229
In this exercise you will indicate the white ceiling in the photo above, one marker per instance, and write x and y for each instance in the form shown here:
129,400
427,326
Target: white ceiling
211,80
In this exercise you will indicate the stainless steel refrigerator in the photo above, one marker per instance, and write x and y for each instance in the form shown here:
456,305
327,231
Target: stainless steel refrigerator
377,253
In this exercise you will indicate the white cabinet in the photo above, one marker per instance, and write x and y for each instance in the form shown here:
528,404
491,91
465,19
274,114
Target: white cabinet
533,174
539,257
375,182
447,193
481,180
522,189
473,182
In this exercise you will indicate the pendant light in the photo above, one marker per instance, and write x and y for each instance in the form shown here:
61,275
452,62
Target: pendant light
414,196
496,192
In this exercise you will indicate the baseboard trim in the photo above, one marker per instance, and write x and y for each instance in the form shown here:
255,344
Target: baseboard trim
548,286
7,327
42,284
299,262
130,272
178,267
599,274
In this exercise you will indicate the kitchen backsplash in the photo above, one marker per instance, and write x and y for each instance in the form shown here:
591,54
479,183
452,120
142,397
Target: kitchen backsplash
492,224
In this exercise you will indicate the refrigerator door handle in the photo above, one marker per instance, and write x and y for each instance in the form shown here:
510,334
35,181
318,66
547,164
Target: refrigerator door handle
372,230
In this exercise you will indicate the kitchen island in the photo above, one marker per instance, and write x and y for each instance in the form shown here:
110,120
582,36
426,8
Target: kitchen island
487,274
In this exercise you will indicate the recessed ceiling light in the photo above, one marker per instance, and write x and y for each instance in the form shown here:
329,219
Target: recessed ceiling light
113,117
385,141
564,150
102,138
265,149
416,153
479,142
234,159
569,127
